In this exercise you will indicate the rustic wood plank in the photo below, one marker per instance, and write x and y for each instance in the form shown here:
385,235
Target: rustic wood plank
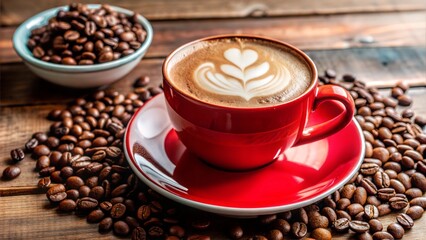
14,12
19,123
381,67
31,217
308,33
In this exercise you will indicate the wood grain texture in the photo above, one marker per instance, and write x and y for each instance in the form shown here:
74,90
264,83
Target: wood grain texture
307,32
16,11
381,67
32,217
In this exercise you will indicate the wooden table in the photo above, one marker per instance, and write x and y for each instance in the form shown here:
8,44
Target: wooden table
380,41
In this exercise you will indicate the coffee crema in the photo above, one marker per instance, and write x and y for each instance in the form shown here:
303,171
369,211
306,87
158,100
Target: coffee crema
240,72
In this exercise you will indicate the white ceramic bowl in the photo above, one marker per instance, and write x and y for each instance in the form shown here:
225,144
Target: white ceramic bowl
77,76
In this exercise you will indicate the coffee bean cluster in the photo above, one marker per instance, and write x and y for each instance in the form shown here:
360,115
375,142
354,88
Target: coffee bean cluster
83,170
83,36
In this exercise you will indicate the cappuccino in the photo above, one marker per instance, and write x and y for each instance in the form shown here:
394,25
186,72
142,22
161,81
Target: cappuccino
240,72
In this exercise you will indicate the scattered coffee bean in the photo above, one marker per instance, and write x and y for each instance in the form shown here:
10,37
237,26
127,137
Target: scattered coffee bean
321,234
17,154
11,172
405,221
382,236
299,229
415,212
341,224
359,226
396,230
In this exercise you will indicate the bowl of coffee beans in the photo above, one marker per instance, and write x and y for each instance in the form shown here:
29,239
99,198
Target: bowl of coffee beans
83,46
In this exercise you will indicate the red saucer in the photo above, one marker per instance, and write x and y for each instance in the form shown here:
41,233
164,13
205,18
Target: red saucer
303,175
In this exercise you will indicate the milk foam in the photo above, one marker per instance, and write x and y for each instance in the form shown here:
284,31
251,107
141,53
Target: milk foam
242,76
240,72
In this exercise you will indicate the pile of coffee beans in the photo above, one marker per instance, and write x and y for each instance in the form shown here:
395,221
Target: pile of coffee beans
83,170
87,36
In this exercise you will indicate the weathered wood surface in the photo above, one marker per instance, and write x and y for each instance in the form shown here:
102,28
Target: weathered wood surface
305,32
335,34
16,11
381,67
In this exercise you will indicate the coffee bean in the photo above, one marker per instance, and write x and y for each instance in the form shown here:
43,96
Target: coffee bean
413,193
95,216
397,185
371,211
74,182
11,172
404,100
386,193
44,183
375,225
419,180
282,225
415,212
359,226
318,221
17,154
106,224
396,230
341,224
67,205
56,193
398,202
381,179
86,203
321,234
41,150
384,209
369,186
299,229
405,221
348,190
354,208
139,234
418,201
382,236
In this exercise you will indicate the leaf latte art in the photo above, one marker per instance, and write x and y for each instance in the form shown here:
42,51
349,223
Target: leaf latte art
245,74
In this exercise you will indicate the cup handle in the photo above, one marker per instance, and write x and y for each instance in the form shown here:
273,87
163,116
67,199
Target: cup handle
331,126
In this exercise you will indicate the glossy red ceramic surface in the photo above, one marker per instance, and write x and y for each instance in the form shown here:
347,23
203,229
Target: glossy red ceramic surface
246,138
300,176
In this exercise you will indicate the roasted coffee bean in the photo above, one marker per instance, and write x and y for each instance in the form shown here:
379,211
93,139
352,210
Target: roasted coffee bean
415,212
405,221
321,234
139,234
397,185
56,193
118,210
341,224
86,203
44,183
155,231
359,226
299,229
354,208
95,216
386,193
318,221
74,182
369,186
381,179
105,225
375,225
384,209
329,213
11,172
398,202
371,211
282,225
144,212
419,180
413,193
396,230
343,214
348,190
97,192
67,205
418,201
382,236
17,154
72,194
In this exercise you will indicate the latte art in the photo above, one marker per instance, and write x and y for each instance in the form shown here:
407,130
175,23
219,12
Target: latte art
239,72
244,76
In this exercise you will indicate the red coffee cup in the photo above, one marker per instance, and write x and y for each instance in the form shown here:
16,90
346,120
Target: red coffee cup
235,138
